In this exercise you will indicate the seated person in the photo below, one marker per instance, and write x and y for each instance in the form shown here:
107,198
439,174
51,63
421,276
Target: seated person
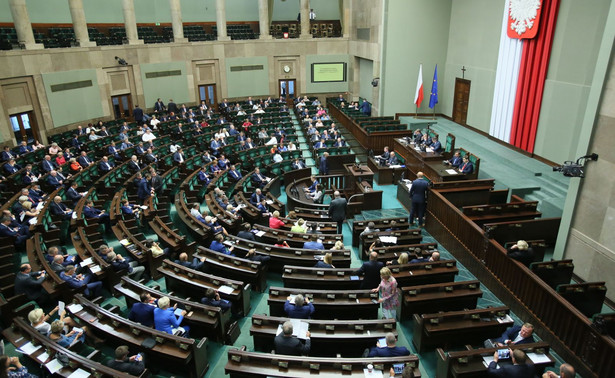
326,261
156,249
388,350
75,281
435,256
259,179
466,167
132,365
299,308
401,260
565,371
317,194
392,159
455,161
300,227
436,146
246,232
11,367
285,343
129,209
73,337
252,255
262,207
275,221
39,320
118,263
312,186
218,245
165,319
256,197
338,246
521,252
519,367
89,211
212,298
515,335
52,252
212,223
105,165
314,243
203,177
371,227
143,312
234,173
196,263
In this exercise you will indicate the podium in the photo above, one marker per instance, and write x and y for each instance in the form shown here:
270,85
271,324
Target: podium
357,173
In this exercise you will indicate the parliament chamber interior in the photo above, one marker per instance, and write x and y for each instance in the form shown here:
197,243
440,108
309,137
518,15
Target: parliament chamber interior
294,188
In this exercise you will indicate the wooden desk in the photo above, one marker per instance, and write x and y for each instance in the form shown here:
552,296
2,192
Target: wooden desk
329,304
469,363
328,337
384,175
430,163
449,296
254,364
446,329
358,174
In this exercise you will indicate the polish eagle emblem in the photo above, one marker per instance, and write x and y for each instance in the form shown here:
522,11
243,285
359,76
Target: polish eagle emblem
523,18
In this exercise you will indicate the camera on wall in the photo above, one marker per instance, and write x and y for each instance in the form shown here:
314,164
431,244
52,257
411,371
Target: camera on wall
575,169
121,61
375,81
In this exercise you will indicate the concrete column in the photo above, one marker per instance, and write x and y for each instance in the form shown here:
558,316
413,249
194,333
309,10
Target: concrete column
130,22
221,20
21,19
176,19
347,19
305,19
263,19
79,25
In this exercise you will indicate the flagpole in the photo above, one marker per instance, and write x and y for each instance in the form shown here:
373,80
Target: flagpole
434,112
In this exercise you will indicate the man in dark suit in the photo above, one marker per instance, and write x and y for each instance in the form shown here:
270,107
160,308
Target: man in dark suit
196,263
159,106
259,179
89,212
144,190
84,160
54,179
48,165
418,195
436,145
137,113
20,234
143,312
371,272
298,164
513,336
75,143
519,369
76,281
256,197
133,365
388,350
29,283
149,157
72,194
156,181
285,343
171,106
7,154
455,161
246,232
11,167
104,165
178,156
314,243
234,173
58,208
133,164
323,165
337,210
466,167
392,159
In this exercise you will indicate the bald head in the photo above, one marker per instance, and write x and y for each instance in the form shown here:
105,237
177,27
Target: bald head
435,256
419,175
566,371
336,194
373,256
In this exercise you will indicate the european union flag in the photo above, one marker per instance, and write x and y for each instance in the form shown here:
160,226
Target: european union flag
433,99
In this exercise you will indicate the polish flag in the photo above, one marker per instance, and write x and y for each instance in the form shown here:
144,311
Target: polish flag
418,97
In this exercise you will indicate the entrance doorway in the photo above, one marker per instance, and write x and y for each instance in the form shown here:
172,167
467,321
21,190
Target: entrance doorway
24,127
207,93
287,88
460,104
122,106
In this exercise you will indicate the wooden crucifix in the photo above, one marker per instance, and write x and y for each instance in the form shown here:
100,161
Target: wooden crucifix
463,72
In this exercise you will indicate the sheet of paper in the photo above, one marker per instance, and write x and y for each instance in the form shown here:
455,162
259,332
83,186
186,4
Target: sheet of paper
505,319
40,205
28,348
79,373
43,357
299,328
95,268
269,202
395,166
143,207
428,149
225,289
61,306
87,262
74,308
382,342
53,366
539,358
178,311
74,216
388,239
451,171
374,374
259,233
487,360
124,242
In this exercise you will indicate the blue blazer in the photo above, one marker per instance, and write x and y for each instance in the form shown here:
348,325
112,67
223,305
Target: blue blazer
219,247
255,199
235,174
512,333
83,162
165,320
202,176
91,212
302,312
176,157
389,352
455,161
512,371
467,167
75,143
48,165
323,166
143,189
54,181
313,245
437,146
418,192
73,195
